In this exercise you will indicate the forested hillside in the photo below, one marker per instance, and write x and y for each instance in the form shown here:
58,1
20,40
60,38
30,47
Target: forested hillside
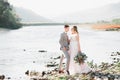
8,17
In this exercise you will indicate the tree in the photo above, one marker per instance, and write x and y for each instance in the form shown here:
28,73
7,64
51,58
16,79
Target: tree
8,18
116,21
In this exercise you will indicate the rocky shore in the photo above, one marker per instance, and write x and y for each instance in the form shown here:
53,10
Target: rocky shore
104,71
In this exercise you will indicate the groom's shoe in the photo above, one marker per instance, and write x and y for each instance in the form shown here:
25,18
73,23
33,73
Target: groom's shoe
61,71
68,73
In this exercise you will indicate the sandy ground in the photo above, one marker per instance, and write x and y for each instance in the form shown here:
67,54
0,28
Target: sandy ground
105,26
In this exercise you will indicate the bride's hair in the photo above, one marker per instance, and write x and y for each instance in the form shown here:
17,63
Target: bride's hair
75,28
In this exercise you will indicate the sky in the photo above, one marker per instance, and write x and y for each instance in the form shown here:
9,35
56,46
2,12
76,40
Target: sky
54,8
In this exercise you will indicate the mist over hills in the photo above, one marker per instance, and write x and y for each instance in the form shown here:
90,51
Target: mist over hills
29,16
107,13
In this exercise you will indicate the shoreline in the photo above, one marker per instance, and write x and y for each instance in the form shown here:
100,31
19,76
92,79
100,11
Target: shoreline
104,71
106,27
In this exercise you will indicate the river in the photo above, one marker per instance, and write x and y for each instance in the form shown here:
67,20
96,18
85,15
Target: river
19,49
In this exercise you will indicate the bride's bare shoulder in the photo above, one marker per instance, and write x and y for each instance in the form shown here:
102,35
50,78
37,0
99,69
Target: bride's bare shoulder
77,36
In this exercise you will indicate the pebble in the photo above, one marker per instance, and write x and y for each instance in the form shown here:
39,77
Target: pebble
2,77
42,51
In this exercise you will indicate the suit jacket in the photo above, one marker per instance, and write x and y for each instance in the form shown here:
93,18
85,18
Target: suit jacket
64,41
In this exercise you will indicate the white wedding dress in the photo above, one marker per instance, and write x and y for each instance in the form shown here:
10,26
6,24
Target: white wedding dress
75,67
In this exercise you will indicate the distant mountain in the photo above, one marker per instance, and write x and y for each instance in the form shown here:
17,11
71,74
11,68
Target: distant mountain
29,16
107,12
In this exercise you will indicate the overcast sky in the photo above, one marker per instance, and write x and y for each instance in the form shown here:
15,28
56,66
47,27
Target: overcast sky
51,8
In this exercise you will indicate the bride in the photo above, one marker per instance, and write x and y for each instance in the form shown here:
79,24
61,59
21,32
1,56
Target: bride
74,49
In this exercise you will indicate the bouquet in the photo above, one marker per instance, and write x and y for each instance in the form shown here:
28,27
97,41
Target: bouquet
80,57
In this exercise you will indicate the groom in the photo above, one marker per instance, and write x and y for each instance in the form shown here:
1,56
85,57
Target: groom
64,42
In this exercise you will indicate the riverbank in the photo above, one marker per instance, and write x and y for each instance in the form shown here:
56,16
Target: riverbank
104,71
107,27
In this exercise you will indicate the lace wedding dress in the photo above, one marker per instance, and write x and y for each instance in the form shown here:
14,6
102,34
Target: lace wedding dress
75,67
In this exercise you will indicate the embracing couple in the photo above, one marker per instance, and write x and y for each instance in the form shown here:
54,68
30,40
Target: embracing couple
70,46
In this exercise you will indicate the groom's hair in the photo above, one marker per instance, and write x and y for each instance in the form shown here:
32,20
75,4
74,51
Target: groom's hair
66,26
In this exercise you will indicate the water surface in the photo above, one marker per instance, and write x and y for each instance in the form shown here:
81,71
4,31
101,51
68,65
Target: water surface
19,48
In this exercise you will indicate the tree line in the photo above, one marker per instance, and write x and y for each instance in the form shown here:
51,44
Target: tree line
8,17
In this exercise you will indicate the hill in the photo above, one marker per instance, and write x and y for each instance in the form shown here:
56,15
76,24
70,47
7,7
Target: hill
28,16
107,12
